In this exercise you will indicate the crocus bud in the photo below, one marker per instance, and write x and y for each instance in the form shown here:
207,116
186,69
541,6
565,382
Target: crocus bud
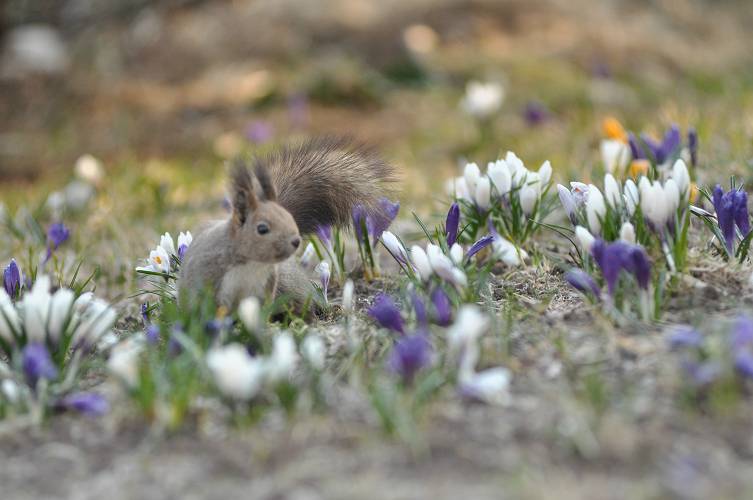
386,314
184,241
585,238
442,307
421,262
61,305
505,251
167,243
249,311
528,198
631,196
615,155
693,146
347,300
9,321
393,245
441,264
409,356
308,256
579,192
323,270
37,363
480,245
682,178
568,202
456,253
12,279
672,195
545,174
471,174
36,308
314,351
483,193
595,209
627,233
583,282
612,191
490,386
499,174
452,224
283,360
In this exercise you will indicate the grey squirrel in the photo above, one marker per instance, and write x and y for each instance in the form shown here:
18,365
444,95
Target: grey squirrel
283,196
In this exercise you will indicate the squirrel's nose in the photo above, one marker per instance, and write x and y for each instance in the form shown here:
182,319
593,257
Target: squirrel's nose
295,242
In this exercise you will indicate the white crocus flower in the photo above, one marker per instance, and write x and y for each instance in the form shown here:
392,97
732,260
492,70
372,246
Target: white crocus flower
167,243
159,260
282,361
579,191
482,100
61,305
528,198
124,361
185,239
394,246
440,263
421,262
237,374
615,155
489,386
672,195
612,191
470,324
9,321
249,312
627,233
347,300
585,238
36,310
595,209
545,174
96,321
518,170
568,201
89,169
457,188
499,174
471,175
682,178
307,257
505,251
483,193
654,203
314,351
631,196
456,253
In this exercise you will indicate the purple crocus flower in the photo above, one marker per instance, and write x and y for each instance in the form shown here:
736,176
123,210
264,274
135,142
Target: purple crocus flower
37,363
640,266
611,262
725,214
87,403
452,224
385,312
259,132
360,217
693,146
12,279
742,332
409,356
57,234
480,245
664,150
702,374
152,334
583,282
442,307
740,211
744,363
683,337
422,318
535,113
379,221
182,251
636,150
325,234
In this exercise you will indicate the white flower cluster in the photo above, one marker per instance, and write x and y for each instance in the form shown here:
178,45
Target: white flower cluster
491,385
160,259
504,178
658,202
238,375
41,316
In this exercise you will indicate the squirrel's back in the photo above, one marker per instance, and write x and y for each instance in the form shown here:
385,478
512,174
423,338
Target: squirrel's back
320,181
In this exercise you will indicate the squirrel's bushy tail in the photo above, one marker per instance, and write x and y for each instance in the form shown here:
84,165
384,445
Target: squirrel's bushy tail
320,181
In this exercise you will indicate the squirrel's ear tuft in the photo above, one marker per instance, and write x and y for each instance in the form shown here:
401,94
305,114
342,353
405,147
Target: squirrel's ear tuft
265,181
242,193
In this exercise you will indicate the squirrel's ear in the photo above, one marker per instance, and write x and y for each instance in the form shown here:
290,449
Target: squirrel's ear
267,187
242,193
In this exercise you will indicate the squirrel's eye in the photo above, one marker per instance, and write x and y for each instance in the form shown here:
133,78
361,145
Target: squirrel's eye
262,228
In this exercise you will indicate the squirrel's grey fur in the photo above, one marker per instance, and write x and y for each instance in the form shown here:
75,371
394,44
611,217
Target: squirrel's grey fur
291,192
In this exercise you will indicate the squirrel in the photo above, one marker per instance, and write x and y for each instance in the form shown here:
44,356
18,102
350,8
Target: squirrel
285,195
